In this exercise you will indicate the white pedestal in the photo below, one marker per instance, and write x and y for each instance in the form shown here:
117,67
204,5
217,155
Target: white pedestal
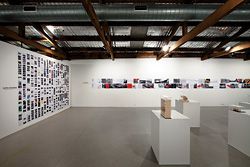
239,130
190,109
246,105
170,138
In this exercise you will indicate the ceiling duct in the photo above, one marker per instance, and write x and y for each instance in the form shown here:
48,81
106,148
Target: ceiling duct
119,12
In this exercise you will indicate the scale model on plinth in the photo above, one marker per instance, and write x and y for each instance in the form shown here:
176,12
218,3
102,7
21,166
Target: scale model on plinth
166,107
189,108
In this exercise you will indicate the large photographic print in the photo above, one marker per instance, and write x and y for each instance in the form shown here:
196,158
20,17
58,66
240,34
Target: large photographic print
167,83
43,87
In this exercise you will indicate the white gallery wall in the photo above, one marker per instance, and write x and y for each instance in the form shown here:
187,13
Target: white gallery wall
83,71
9,90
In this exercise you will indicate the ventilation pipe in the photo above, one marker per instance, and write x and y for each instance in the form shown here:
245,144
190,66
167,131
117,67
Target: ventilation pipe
118,12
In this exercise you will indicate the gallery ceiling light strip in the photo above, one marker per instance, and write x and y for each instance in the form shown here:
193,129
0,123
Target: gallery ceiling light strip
95,21
11,34
222,11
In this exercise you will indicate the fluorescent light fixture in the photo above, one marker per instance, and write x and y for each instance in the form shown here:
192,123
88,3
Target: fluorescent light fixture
228,48
51,28
165,48
53,48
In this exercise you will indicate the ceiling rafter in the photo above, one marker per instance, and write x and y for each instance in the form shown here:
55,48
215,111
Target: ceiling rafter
44,32
107,32
236,48
11,34
219,13
184,28
223,43
21,30
95,21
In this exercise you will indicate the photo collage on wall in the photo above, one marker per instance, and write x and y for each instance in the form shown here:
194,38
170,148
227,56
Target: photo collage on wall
43,87
137,83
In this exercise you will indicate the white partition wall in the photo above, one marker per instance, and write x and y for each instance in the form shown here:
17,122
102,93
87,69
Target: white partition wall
238,130
9,102
83,71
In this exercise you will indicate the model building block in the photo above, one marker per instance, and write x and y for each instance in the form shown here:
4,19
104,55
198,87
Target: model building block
166,107
236,108
184,99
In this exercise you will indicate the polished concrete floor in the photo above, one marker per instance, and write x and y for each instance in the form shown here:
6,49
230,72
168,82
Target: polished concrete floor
113,137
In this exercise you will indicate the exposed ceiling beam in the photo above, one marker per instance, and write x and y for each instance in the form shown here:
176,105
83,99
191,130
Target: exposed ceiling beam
143,54
95,21
219,13
11,34
21,31
226,41
239,47
104,55
107,32
129,38
184,29
44,32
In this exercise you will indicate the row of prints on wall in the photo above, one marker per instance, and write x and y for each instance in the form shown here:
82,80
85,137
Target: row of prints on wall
137,83
43,87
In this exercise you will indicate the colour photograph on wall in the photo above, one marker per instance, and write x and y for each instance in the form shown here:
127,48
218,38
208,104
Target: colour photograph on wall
43,87
167,83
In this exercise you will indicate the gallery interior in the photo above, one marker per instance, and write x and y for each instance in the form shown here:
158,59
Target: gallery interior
124,83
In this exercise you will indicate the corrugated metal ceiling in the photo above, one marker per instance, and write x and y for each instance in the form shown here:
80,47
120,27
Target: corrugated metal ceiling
158,30
199,44
91,44
121,44
121,30
31,31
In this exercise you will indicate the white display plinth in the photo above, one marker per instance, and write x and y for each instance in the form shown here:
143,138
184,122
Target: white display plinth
191,109
246,105
170,138
239,130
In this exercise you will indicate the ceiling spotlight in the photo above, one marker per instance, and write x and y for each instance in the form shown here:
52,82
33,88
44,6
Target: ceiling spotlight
53,48
51,28
227,48
165,48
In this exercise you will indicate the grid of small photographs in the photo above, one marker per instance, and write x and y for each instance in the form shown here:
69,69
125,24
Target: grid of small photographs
137,83
43,87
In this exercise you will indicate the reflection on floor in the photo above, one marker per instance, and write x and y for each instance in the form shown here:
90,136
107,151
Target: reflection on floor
117,137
